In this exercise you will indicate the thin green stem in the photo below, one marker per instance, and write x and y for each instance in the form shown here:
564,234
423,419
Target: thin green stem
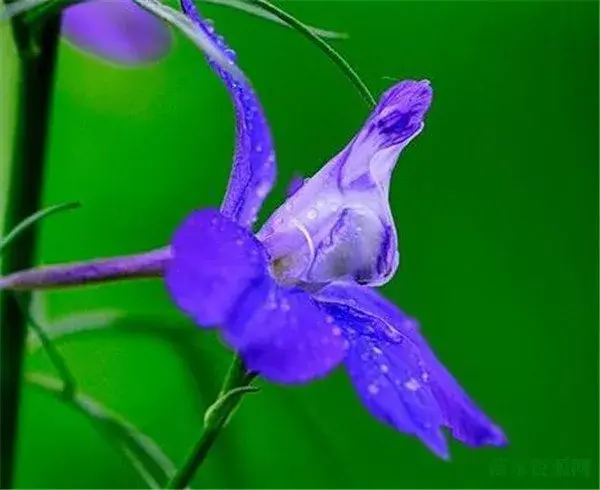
236,384
36,69
321,44
57,360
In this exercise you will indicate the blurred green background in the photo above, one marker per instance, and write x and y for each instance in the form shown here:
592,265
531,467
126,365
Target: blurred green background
496,204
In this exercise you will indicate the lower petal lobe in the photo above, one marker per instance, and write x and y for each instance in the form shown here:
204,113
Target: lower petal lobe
397,375
215,262
219,276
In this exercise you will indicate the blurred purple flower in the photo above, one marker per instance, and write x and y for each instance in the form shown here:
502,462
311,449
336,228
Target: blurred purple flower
117,30
297,299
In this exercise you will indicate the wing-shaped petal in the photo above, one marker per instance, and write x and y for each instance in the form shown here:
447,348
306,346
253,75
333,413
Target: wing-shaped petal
254,168
425,393
219,276
338,226
118,31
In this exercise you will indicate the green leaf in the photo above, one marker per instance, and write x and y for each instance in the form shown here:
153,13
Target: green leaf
144,454
33,219
321,44
244,6
38,9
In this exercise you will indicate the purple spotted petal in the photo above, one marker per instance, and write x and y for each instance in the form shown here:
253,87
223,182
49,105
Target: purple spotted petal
118,31
219,276
425,393
254,168
214,263
338,226
388,380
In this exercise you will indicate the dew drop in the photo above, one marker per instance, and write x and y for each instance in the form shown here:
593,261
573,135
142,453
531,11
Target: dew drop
329,319
337,331
263,189
412,384
373,389
384,368
312,214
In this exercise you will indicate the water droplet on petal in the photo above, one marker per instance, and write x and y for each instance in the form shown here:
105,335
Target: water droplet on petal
337,331
329,319
412,384
384,368
312,213
263,189
373,389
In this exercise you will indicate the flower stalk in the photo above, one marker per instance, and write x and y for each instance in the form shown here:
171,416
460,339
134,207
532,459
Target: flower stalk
236,384
37,53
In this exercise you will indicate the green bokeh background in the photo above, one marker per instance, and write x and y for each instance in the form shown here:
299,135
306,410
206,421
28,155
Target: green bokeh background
496,204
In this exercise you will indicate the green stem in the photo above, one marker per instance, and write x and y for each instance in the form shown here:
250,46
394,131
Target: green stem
55,357
228,400
36,68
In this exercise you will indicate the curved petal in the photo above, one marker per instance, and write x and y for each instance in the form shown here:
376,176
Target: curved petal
338,226
426,394
120,32
219,276
254,168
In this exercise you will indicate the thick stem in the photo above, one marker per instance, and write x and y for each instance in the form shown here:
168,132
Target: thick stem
225,405
36,70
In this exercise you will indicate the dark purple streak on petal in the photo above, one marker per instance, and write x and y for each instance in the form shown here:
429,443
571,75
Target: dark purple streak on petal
118,31
254,168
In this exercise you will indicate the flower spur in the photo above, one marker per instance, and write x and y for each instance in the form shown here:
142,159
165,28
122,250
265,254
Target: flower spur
298,298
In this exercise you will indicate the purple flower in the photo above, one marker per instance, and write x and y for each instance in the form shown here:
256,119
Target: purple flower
296,299
117,30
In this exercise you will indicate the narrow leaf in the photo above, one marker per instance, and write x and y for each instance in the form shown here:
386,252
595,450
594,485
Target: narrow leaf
321,44
244,6
33,219
147,457
17,7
